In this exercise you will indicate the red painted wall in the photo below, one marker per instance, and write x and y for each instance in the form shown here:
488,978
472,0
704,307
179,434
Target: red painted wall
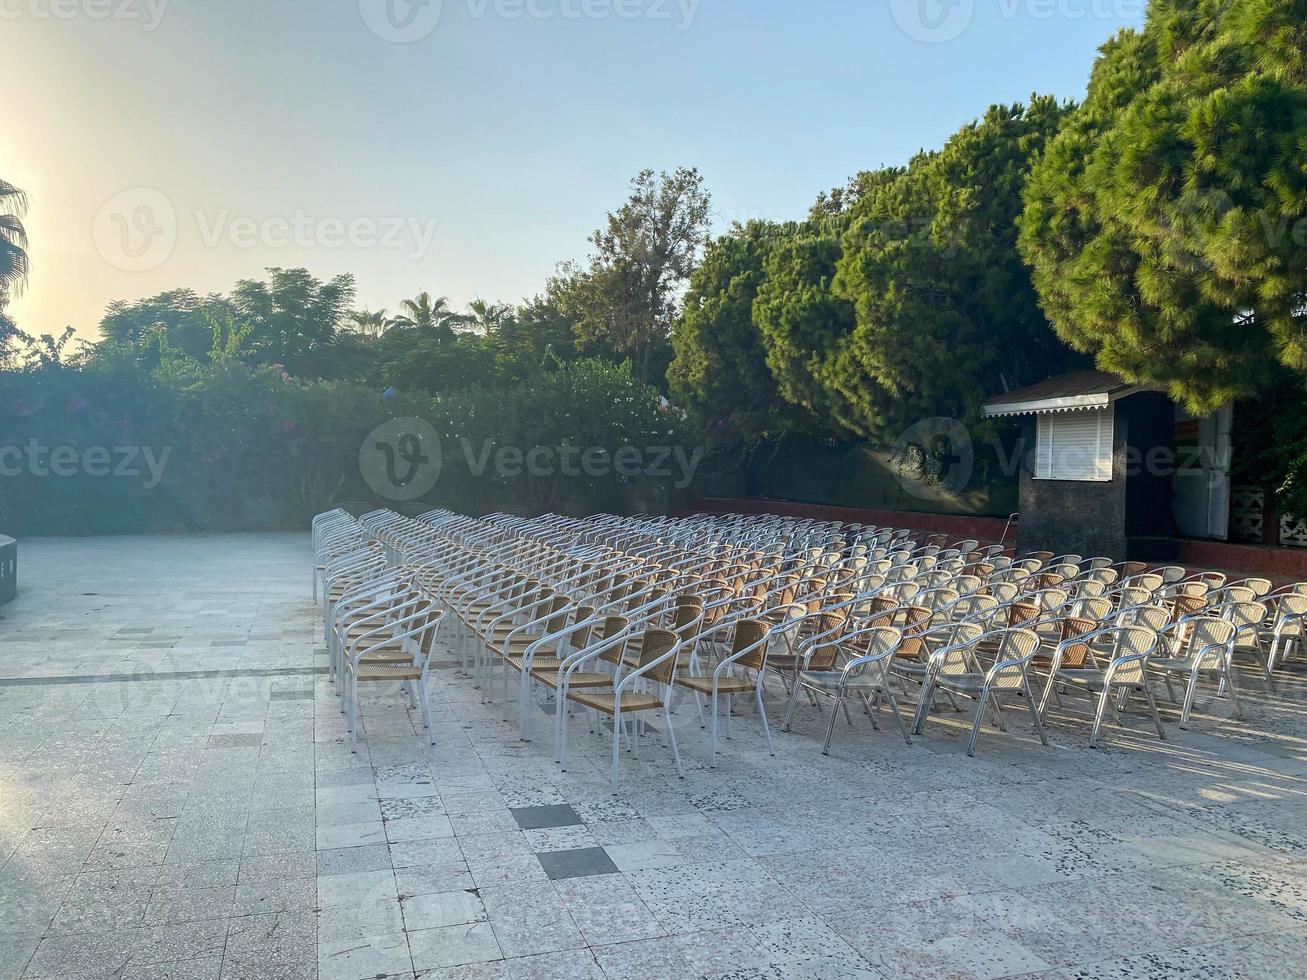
983,528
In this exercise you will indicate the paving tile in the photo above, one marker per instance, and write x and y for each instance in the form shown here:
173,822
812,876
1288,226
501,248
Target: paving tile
356,886
442,909
541,817
453,945
577,864
368,956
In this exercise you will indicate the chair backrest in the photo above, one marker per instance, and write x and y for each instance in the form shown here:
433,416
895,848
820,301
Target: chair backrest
1148,581
1071,627
655,643
1003,591
1260,586
1247,617
1170,573
579,639
1097,608
747,632
1287,613
1209,638
1016,648
1187,605
1133,641
1152,617
1021,612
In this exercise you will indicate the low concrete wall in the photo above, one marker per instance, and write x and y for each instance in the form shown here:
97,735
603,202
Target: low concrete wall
1266,560
983,528
8,569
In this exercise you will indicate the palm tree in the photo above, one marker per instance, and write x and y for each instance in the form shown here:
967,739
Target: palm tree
370,324
14,263
424,313
488,317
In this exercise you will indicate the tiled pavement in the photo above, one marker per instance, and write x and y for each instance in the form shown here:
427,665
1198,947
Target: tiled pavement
177,800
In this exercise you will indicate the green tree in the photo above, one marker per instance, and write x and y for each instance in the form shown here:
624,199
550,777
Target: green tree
295,319
430,315
486,317
720,373
370,323
178,318
944,309
1166,225
802,320
14,262
625,298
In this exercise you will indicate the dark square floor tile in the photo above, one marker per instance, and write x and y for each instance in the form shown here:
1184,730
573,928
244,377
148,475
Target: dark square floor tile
584,863
544,817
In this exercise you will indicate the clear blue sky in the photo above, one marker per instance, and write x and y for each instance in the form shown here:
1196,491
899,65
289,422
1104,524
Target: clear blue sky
504,134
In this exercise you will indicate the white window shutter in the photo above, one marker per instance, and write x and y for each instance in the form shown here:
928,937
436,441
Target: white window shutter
1044,448
1074,446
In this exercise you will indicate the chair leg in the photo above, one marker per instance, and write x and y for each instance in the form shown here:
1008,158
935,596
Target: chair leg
1048,692
870,713
426,711
762,716
834,716
617,739
898,715
980,720
1228,677
712,739
791,705
1152,706
1170,691
999,721
1103,700
671,737
923,707
1034,716
1271,656
1190,694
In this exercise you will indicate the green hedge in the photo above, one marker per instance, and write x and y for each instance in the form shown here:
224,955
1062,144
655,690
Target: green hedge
227,447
